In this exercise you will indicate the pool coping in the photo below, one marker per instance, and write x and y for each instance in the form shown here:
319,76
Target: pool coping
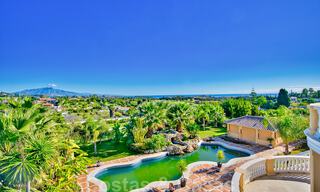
92,176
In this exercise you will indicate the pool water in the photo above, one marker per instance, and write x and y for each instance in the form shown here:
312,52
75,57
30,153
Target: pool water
163,169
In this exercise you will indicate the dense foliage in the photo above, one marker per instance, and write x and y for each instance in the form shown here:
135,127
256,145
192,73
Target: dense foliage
35,154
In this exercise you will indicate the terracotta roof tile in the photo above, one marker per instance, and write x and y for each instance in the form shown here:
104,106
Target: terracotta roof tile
252,121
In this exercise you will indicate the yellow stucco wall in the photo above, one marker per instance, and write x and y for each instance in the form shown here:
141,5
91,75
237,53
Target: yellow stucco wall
248,134
253,135
233,131
314,171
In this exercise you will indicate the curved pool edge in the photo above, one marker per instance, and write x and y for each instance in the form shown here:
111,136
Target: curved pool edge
175,182
92,176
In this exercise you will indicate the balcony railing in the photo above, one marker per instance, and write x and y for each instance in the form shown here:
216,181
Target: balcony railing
262,166
291,164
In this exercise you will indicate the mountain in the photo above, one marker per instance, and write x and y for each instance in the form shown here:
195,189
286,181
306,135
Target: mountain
49,91
4,94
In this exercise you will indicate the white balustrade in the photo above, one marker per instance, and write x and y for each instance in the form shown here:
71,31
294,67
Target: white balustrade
254,169
291,164
282,164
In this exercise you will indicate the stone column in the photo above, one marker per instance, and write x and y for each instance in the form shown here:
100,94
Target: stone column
270,167
315,171
241,183
313,138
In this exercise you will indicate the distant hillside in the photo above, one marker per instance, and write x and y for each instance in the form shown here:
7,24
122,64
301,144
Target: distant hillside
3,94
49,91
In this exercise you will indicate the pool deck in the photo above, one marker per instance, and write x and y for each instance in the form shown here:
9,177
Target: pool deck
199,175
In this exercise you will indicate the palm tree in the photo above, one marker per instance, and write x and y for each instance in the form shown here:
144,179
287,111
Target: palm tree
154,116
217,115
18,170
31,148
290,126
95,137
112,109
180,114
40,150
23,165
117,132
193,129
202,114
94,129
139,130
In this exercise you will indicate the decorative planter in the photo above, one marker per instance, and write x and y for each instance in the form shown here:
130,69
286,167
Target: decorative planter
183,182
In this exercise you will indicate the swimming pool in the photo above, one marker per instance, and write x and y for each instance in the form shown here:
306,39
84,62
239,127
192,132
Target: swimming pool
127,178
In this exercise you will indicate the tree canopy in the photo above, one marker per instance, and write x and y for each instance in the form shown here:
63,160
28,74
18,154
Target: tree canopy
283,98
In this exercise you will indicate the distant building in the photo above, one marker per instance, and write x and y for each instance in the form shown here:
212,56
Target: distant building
47,102
253,129
294,99
122,109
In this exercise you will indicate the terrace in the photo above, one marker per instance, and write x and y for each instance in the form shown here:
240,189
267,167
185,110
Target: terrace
278,170
284,173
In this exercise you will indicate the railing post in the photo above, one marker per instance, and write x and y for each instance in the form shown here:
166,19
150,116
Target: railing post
270,166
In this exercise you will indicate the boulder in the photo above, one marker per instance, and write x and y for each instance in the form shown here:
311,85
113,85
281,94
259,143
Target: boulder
169,137
178,138
191,145
188,149
175,150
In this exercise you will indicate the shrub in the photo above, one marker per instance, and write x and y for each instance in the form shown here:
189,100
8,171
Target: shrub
156,142
182,165
220,155
193,130
118,114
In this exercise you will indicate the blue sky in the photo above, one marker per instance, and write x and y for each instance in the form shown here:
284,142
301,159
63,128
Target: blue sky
161,46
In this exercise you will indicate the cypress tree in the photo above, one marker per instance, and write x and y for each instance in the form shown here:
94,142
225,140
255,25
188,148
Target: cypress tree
283,98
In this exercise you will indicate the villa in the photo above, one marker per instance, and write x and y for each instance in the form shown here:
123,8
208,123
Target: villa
253,129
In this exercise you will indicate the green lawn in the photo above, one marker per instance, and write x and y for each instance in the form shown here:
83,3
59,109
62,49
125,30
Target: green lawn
107,150
212,132
300,149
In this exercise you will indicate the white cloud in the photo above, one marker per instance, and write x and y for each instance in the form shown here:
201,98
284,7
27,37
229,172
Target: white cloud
52,85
